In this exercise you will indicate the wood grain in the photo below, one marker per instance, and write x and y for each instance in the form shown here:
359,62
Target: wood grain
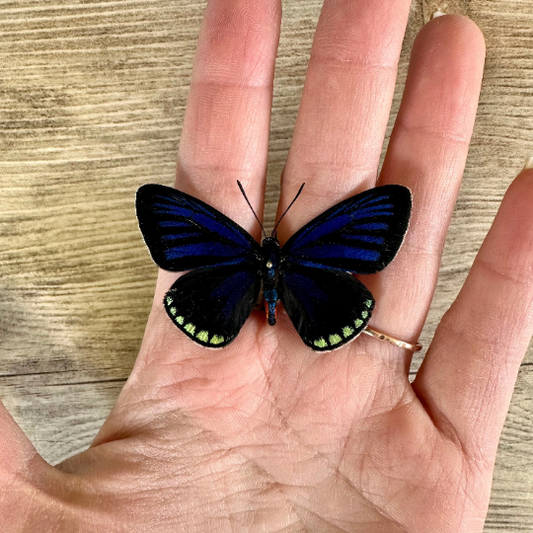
92,100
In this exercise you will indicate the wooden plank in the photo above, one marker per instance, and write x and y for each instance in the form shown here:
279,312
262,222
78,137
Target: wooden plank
93,96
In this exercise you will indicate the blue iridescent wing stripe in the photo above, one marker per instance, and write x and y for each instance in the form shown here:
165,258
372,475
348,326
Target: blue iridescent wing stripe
361,234
182,232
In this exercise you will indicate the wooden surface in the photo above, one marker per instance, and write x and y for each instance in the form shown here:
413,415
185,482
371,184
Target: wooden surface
92,100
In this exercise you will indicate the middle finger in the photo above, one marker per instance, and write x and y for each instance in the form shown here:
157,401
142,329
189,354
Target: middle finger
345,105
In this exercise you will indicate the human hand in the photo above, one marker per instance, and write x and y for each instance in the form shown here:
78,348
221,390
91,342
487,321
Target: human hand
266,435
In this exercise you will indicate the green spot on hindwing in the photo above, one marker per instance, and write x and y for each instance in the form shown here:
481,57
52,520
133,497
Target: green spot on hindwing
368,303
334,339
320,343
173,311
169,300
364,314
347,332
358,323
217,339
203,336
191,328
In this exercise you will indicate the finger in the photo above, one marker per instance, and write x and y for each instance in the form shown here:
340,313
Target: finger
27,481
18,456
467,377
345,105
226,126
427,153
225,132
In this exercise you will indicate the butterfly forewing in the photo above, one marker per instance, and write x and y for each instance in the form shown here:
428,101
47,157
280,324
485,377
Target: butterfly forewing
210,305
182,232
327,307
361,234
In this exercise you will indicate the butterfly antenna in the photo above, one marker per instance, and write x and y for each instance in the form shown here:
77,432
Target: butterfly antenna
285,212
248,202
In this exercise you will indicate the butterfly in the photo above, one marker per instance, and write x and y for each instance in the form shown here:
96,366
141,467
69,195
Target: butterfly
311,274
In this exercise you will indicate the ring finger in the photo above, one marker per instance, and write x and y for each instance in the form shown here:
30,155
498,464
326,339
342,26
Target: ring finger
226,126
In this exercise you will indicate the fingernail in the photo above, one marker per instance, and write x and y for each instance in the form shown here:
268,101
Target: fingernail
529,163
437,14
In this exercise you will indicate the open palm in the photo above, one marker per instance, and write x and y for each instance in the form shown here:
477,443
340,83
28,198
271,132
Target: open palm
267,435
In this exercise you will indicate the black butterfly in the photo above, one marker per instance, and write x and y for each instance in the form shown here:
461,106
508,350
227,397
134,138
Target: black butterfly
310,274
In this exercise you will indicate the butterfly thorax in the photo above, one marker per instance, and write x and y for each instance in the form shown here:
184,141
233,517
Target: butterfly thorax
270,270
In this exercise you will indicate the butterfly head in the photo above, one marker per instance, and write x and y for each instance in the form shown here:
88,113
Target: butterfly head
270,258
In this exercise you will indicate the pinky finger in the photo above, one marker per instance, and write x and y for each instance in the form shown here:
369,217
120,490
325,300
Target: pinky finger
468,375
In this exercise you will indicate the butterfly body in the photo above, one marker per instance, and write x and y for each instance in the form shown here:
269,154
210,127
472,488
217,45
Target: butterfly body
311,274
271,256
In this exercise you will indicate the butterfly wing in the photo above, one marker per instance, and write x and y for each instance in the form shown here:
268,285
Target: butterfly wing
327,307
210,305
182,232
361,234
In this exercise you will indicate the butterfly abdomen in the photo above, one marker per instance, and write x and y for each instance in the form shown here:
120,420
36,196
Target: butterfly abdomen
271,298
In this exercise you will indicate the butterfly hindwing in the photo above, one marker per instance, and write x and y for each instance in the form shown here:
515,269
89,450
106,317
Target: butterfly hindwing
182,232
210,305
361,234
327,307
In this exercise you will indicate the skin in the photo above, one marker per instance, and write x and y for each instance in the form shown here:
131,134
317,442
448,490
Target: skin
266,435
